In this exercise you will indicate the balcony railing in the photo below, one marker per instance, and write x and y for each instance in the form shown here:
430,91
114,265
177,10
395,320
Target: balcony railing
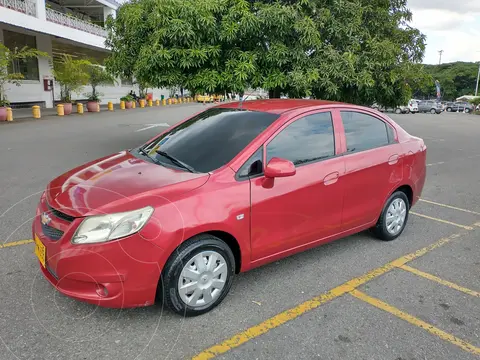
23,6
70,21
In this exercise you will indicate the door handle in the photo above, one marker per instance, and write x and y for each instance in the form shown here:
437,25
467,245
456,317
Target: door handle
331,178
392,160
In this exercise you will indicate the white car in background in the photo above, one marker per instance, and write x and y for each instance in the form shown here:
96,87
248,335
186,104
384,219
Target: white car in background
413,106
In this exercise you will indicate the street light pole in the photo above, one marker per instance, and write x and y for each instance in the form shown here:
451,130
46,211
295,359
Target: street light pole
478,78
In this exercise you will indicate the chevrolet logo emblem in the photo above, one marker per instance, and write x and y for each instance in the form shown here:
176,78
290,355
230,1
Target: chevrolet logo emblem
45,218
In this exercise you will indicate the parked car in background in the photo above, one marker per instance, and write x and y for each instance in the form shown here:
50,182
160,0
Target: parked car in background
412,106
225,191
429,106
397,110
459,106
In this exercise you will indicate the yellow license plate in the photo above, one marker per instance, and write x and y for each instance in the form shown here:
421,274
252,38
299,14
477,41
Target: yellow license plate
40,251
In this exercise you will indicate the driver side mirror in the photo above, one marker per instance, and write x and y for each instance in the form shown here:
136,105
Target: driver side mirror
279,168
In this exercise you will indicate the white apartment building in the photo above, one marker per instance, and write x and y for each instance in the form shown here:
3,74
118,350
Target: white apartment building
74,27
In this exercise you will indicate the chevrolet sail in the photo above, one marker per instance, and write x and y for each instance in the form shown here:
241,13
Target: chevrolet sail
231,188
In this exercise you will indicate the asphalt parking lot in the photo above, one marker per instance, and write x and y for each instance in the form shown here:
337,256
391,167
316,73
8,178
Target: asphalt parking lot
416,298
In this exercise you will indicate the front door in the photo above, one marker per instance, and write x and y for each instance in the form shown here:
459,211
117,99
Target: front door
289,212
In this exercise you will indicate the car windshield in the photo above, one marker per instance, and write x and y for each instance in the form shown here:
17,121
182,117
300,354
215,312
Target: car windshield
210,139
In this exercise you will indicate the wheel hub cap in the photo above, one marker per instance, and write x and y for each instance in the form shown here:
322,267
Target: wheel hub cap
202,279
396,215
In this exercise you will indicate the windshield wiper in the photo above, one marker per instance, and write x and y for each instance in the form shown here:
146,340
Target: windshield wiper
142,151
176,161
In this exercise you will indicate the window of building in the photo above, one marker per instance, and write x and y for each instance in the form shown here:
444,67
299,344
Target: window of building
306,140
363,131
27,67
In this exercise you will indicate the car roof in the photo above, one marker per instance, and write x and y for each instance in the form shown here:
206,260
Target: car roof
276,106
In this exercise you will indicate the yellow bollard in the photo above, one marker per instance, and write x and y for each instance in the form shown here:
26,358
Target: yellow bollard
60,110
122,105
169,101
157,102
142,103
9,114
134,104
98,107
150,102
110,106
164,102
79,108
36,112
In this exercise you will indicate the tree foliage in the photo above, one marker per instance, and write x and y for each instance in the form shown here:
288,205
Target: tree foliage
71,74
358,51
456,79
7,57
97,76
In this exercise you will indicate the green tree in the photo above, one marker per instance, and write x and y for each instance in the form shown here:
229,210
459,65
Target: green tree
71,74
97,76
351,50
475,102
7,57
456,79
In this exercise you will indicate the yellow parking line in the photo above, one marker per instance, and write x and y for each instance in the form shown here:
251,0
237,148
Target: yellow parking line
442,221
440,281
417,322
15,243
449,206
293,313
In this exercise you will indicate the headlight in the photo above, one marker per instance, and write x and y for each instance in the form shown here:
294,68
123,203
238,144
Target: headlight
96,229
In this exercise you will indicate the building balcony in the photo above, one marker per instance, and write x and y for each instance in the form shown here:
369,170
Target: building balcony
24,6
58,17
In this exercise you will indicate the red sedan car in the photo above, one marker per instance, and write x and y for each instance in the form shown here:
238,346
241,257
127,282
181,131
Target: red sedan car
229,189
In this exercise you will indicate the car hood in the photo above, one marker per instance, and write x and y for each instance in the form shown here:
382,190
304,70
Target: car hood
114,183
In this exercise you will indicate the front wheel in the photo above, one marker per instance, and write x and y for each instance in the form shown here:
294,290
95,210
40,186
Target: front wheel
398,111
198,275
449,109
433,111
393,219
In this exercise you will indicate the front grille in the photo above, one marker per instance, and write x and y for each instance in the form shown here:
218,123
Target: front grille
60,214
51,232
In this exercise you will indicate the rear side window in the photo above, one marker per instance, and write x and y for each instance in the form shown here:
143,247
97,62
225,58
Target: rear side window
363,131
212,138
306,140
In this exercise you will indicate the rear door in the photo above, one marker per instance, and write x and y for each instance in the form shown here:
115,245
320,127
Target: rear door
372,167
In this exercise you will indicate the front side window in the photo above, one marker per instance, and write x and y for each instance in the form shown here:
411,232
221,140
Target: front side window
27,67
363,131
253,166
210,139
306,140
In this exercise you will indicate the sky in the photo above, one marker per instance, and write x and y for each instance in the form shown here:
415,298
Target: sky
450,25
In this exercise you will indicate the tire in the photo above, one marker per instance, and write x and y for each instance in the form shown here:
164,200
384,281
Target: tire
467,111
449,109
433,111
380,230
398,111
203,246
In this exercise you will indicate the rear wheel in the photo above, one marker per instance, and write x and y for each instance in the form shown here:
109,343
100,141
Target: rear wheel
394,217
433,111
198,275
398,111
449,109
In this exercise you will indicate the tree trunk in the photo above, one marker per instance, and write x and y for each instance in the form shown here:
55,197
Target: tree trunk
274,93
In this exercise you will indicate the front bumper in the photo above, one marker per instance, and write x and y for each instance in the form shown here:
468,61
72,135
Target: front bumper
118,274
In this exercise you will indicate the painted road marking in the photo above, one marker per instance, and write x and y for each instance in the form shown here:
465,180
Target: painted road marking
150,126
417,322
439,280
291,314
15,243
449,206
437,163
442,221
